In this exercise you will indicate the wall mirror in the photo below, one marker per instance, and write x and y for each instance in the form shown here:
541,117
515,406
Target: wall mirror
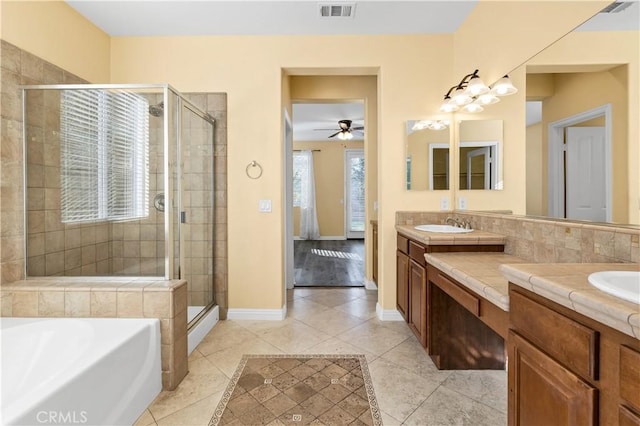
427,155
480,154
582,147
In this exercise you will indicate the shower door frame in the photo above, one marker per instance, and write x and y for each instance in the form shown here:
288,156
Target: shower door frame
169,272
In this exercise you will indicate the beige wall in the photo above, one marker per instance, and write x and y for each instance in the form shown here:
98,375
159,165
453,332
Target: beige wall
500,35
536,204
249,69
328,163
584,49
57,33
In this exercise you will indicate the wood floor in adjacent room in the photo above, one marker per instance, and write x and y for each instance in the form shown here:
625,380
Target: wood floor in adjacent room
329,263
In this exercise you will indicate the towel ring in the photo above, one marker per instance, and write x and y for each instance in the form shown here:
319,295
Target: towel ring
250,166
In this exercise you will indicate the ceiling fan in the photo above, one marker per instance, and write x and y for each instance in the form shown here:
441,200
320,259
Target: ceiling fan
345,130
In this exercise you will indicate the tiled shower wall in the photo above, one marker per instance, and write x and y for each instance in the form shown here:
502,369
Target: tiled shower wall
546,240
83,249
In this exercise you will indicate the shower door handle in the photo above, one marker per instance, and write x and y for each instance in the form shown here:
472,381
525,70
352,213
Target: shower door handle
183,217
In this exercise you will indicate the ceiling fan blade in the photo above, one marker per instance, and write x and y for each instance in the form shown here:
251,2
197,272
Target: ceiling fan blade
358,128
335,134
334,129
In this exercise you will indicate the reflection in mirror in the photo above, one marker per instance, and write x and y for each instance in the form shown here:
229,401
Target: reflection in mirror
582,157
480,154
427,155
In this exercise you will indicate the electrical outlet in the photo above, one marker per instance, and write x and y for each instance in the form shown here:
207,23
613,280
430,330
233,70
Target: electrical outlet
462,203
444,203
264,206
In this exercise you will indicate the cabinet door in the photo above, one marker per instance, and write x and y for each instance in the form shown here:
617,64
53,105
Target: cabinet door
402,284
418,301
543,392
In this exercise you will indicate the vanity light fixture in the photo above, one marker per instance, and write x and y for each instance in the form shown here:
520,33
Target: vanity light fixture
503,87
430,124
471,94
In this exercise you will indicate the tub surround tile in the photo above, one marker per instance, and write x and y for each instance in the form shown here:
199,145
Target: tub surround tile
129,304
77,303
104,304
6,304
51,303
24,304
157,304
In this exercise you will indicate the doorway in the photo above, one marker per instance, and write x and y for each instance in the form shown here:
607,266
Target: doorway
580,166
328,193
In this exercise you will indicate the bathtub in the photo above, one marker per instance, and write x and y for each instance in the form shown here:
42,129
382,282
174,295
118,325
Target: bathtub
97,371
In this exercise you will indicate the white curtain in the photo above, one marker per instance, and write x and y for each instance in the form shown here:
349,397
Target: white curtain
309,229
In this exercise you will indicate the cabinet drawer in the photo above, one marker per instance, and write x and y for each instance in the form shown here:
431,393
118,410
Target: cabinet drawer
403,244
630,376
469,301
416,252
566,340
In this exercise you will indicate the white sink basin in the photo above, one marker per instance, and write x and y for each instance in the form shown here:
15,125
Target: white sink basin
622,284
443,229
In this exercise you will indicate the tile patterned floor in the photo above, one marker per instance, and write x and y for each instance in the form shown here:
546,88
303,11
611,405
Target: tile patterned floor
409,388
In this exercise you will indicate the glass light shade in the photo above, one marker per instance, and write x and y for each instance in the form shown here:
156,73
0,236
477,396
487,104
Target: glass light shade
504,87
473,108
341,136
448,106
438,125
460,98
476,87
348,135
488,99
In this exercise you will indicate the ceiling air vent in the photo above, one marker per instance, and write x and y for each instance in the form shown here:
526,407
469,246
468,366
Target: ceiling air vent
343,10
616,6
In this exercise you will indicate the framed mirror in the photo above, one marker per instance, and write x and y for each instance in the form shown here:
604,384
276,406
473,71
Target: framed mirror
427,155
480,154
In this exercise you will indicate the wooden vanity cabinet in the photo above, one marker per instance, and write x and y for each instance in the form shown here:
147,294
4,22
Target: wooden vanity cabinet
402,277
568,369
412,282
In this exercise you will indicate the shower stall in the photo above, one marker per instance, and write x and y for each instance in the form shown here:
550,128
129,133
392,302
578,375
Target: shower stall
119,182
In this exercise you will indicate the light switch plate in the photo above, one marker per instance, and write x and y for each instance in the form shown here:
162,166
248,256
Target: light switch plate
264,206
462,203
444,203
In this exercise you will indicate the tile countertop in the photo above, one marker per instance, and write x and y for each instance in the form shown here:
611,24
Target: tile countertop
476,237
567,285
479,272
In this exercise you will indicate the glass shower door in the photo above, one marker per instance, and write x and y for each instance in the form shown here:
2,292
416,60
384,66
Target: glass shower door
196,212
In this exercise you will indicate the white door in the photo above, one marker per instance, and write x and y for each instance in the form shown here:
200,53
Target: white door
479,159
354,192
585,174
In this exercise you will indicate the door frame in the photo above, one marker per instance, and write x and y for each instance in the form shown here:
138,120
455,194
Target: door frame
556,150
432,147
347,193
287,201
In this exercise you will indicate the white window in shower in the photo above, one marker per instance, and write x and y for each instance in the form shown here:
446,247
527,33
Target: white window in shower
104,156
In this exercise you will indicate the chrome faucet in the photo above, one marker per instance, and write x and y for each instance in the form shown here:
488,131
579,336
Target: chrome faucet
454,221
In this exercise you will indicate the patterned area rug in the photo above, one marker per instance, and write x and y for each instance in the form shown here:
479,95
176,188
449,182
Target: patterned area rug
299,390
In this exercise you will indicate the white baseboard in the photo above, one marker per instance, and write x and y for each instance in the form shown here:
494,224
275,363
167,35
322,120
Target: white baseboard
339,237
370,285
257,314
388,314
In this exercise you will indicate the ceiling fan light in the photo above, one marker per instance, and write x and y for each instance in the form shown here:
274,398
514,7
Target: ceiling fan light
487,99
347,136
476,87
504,87
473,108
341,136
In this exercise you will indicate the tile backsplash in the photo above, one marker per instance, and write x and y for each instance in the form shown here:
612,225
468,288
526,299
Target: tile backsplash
546,240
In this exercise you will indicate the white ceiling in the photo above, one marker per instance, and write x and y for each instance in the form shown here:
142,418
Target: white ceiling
213,17
625,20
307,117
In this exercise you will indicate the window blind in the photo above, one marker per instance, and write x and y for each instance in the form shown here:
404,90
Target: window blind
104,155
